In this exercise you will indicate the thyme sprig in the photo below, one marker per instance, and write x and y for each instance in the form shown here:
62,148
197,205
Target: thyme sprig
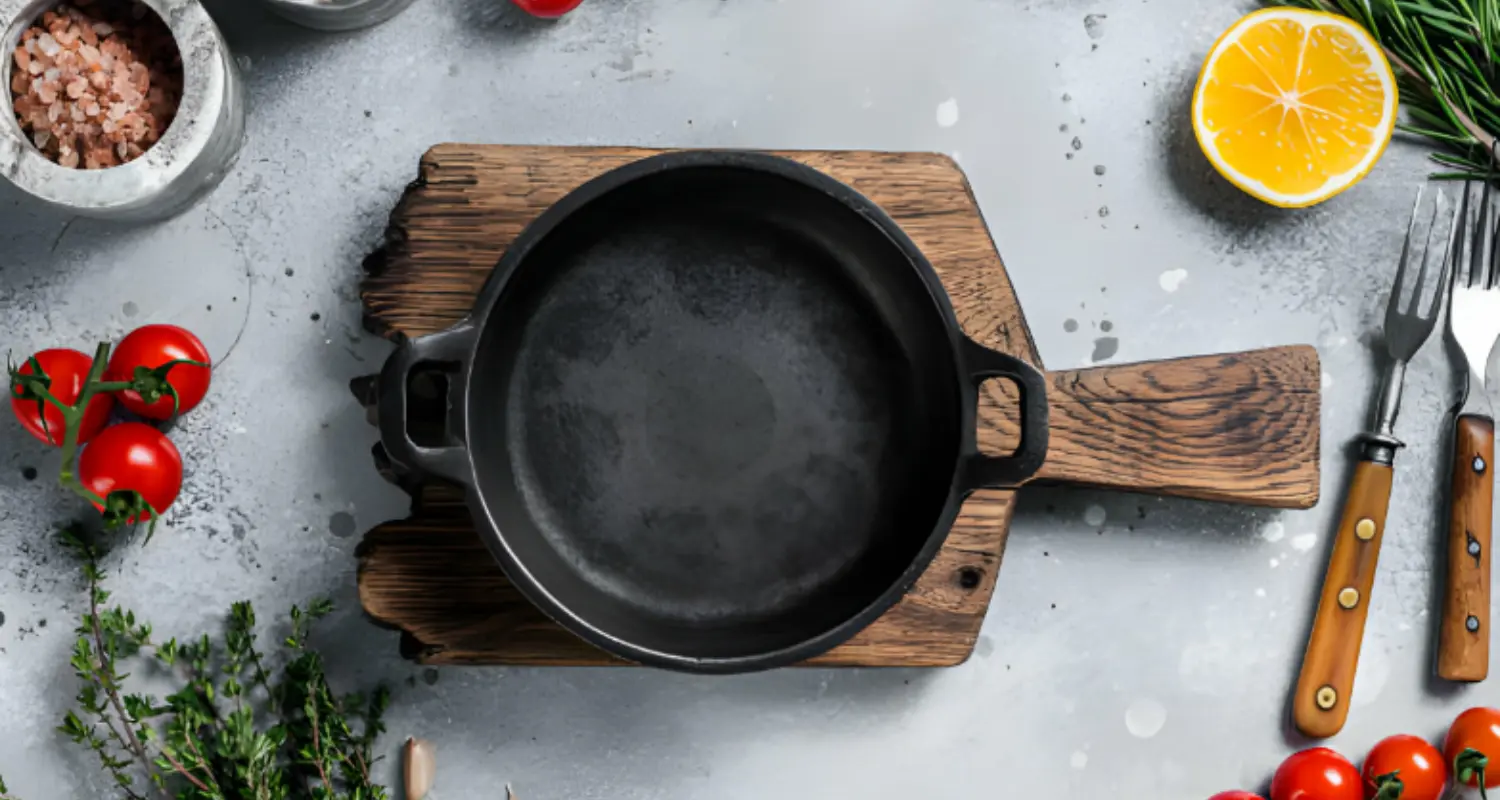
237,728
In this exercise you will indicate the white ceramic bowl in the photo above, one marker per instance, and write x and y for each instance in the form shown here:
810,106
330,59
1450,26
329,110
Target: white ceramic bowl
193,156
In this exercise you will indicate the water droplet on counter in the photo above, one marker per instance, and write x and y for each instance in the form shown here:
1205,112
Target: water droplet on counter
1272,531
1095,515
1145,718
1105,348
947,113
342,524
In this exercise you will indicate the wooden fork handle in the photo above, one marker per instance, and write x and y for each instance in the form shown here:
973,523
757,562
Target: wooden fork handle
1321,702
1464,635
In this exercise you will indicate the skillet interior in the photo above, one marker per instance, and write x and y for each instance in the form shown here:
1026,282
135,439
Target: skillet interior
714,414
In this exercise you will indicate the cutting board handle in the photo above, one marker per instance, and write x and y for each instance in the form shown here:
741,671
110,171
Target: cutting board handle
1238,427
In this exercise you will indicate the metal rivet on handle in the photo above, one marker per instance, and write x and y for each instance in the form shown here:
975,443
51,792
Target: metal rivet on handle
1472,623
1348,597
1365,529
1479,464
1326,698
1474,547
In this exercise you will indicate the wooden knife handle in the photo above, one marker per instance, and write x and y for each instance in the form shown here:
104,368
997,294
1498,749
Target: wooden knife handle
1321,703
1236,427
1464,635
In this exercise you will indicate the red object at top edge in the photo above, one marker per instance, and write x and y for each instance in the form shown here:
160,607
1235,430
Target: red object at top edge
547,9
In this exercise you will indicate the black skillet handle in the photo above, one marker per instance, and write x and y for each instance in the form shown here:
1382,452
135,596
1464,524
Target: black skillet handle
450,461
1005,472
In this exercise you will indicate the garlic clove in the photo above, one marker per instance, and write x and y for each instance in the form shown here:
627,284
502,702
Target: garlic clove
419,763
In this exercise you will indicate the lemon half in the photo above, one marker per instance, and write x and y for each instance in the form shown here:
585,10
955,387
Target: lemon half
1294,106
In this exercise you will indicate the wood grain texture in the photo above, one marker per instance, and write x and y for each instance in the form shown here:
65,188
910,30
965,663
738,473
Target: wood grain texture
1241,427
1464,630
1253,416
1339,625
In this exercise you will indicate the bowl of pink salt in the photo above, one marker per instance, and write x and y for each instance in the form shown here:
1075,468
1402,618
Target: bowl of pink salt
116,109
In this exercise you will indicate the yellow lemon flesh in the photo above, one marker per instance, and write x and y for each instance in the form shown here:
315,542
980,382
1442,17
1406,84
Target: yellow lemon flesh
1294,106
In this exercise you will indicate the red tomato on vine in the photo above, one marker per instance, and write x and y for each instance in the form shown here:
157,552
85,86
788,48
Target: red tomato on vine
66,371
140,356
131,457
1316,774
1416,766
1472,742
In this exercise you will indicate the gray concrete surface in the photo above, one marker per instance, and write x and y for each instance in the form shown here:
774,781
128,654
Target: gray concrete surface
1137,647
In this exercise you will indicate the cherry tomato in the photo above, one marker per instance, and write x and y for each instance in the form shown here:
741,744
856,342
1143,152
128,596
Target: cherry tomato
1236,795
1418,765
150,347
67,370
1316,774
547,9
1476,729
136,456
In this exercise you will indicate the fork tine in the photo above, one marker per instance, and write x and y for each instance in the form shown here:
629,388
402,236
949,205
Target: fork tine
1479,259
1444,285
1420,286
1459,245
1393,306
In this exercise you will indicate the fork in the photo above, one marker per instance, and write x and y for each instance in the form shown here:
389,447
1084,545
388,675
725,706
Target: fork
1321,702
1474,325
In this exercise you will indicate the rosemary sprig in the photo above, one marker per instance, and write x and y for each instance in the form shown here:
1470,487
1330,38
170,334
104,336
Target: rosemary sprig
236,729
1444,54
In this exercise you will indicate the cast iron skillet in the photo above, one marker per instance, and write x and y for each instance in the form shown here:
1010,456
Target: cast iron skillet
714,412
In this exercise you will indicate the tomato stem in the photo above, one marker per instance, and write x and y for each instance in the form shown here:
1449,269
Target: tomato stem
1468,769
40,390
1388,787
73,420
154,383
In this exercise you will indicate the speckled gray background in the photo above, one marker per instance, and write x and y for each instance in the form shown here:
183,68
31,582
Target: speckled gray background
1136,646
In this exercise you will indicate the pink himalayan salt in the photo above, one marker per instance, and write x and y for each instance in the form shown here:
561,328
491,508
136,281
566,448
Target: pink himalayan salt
96,92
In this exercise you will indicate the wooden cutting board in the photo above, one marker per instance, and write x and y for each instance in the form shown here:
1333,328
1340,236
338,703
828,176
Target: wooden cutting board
1240,427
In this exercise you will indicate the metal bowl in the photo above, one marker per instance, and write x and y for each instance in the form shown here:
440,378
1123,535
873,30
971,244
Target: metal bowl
338,15
193,156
